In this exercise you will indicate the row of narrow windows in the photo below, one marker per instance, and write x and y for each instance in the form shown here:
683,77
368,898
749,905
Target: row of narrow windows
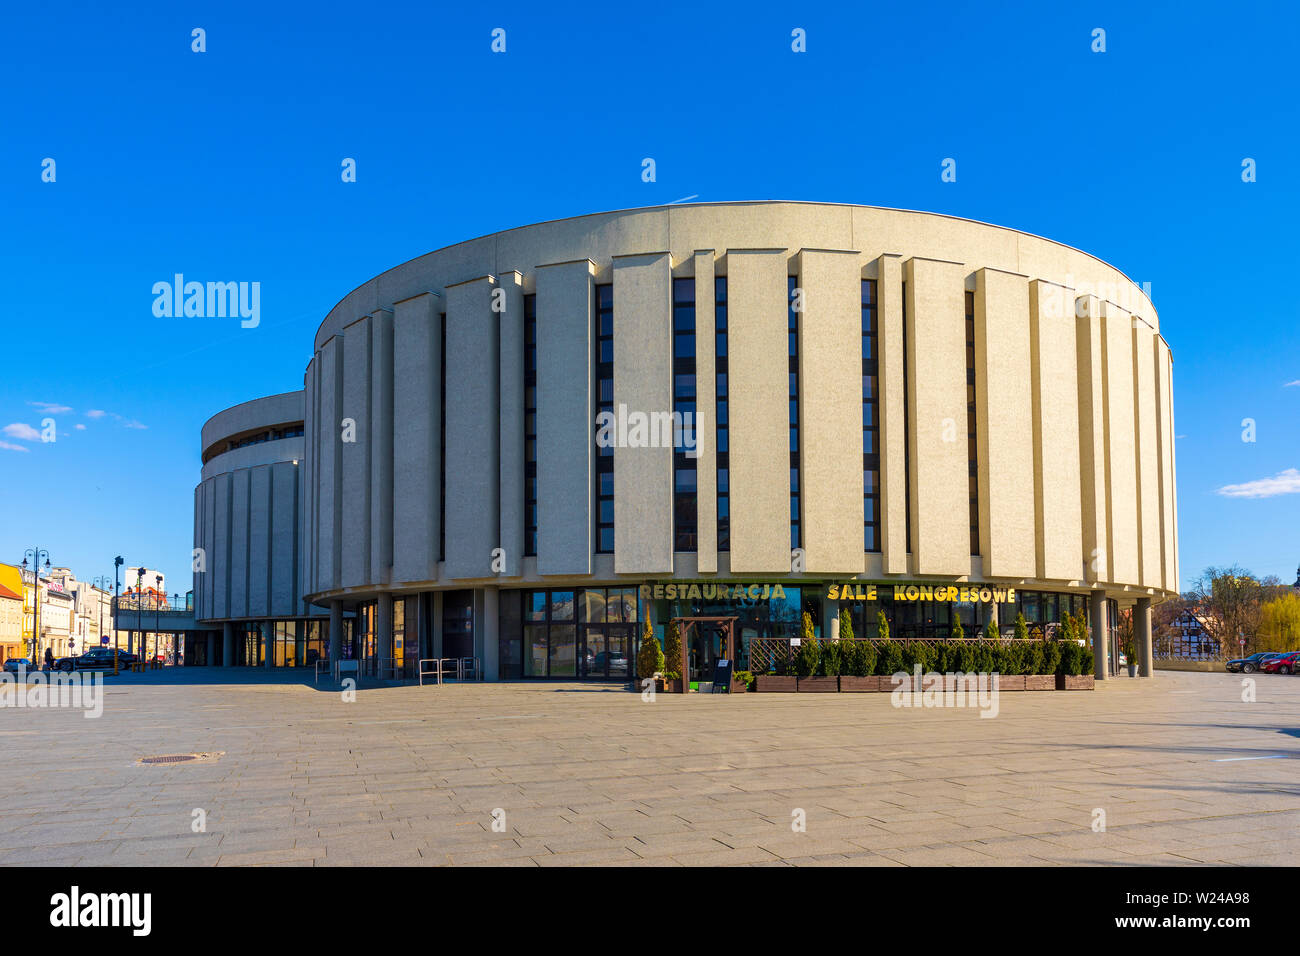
685,405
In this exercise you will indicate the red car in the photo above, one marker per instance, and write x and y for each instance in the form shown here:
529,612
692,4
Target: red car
1282,664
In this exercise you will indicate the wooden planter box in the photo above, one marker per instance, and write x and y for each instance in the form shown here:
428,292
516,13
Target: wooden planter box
860,685
1013,682
675,686
739,686
1040,682
775,683
1075,682
819,685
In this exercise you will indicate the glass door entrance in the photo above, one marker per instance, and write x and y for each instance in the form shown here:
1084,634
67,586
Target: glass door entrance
606,651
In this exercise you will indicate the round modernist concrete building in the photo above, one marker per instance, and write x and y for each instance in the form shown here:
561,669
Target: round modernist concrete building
523,448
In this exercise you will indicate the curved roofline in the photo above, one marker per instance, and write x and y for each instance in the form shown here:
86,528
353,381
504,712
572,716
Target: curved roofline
729,202
252,401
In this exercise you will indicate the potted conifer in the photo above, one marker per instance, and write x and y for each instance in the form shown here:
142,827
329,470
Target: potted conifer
808,663
857,659
674,678
649,660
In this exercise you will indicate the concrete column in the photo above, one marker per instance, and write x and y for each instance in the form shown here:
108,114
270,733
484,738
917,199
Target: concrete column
1142,635
1100,634
830,620
268,644
227,644
336,631
212,649
437,624
384,630
491,634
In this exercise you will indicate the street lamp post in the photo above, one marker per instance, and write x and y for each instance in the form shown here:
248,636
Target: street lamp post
36,554
117,563
139,612
176,635
157,613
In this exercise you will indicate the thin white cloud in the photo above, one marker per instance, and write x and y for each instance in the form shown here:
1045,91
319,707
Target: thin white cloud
22,430
133,424
79,427
96,413
10,446
1283,483
51,408
1295,384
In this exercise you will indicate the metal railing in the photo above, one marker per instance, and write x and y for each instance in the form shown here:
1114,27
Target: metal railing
130,603
462,668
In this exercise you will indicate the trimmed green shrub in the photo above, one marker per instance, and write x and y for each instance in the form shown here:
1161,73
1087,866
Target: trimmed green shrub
889,657
864,658
1010,659
1069,659
1051,658
650,656
1022,629
846,625
918,653
991,631
672,652
882,626
1033,657
958,632
808,658
832,663
1087,661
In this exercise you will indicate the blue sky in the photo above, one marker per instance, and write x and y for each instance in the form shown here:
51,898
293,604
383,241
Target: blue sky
225,165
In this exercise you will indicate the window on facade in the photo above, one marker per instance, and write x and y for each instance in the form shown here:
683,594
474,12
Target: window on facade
685,501
530,425
720,409
971,448
442,440
792,287
907,436
870,421
604,403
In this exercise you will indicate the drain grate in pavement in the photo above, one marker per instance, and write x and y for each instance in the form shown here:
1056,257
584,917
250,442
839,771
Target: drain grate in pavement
177,758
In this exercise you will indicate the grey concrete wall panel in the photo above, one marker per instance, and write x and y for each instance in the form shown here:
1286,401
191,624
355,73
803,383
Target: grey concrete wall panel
381,446
643,376
758,406
565,424
473,439
356,486
417,341
511,403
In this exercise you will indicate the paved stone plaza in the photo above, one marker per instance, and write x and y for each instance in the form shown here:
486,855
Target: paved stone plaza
1185,771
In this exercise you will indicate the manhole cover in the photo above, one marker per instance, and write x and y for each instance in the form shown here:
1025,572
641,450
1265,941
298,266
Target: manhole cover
178,758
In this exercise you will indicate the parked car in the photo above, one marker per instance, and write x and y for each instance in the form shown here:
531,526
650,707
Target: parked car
13,664
97,658
1248,665
1282,664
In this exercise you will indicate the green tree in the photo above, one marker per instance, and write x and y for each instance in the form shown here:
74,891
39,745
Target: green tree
1279,623
650,656
958,633
672,652
1022,629
809,656
1230,600
990,630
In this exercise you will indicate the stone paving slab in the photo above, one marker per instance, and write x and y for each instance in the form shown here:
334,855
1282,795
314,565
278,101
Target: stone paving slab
595,776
